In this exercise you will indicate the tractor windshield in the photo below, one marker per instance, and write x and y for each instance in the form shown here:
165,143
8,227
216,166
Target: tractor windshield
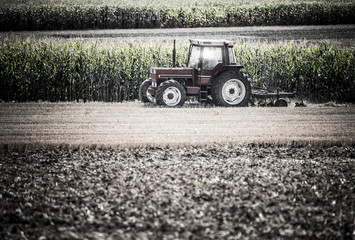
211,57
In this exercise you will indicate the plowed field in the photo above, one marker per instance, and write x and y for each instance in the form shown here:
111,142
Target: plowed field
128,171
132,124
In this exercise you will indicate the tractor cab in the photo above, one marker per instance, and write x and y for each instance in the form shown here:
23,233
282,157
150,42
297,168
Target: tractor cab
209,57
211,73
207,54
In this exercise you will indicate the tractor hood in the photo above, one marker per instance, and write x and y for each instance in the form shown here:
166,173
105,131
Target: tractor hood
185,76
172,72
160,75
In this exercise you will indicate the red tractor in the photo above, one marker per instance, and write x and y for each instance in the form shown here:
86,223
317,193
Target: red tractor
211,74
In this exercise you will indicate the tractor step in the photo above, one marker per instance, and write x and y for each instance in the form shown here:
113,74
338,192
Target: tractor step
203,95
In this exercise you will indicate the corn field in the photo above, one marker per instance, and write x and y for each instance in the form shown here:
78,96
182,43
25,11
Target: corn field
54,70
73,17
320,72
33,70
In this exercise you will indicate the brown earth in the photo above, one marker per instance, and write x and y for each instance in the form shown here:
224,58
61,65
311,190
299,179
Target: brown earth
178,193
129,171
106,125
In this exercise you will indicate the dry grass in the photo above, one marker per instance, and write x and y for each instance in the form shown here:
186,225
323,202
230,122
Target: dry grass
106,125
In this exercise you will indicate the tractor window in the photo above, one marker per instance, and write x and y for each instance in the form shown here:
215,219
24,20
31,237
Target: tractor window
232,56
194,57
211,57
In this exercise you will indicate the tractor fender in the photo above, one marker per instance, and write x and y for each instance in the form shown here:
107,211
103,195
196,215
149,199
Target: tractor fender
226,68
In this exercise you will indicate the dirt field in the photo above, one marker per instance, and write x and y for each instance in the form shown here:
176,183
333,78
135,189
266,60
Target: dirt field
179,193
338,34
104,171
107,125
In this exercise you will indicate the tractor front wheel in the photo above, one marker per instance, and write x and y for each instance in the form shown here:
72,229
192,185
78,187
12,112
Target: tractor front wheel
144,95
170,93
231,89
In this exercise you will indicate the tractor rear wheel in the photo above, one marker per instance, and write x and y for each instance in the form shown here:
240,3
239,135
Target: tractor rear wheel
144,95
170,93
231,89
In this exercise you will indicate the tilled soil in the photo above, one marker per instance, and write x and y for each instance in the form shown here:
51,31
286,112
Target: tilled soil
210,192
112,125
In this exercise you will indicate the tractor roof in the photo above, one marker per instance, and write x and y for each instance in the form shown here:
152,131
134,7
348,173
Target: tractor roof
205,42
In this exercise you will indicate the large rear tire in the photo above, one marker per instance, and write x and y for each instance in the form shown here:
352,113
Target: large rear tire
170,93
144,95
231,89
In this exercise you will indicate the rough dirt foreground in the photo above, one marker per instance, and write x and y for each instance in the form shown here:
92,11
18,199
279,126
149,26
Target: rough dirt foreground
179,193
125,171
105,125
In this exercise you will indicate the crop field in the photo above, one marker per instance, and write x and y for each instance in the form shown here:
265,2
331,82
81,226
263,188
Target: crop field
69,15
129,171
50,69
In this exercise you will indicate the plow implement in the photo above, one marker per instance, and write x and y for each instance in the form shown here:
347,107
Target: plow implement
265,97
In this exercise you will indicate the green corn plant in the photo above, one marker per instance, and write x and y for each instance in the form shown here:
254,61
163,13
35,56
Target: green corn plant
54,70
52,16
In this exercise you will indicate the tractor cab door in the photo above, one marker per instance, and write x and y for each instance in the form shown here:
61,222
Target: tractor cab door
194,62
210,58
204,59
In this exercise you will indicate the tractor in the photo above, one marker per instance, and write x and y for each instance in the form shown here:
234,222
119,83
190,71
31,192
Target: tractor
212,74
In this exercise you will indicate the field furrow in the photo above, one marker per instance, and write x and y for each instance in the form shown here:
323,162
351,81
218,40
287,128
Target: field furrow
133,124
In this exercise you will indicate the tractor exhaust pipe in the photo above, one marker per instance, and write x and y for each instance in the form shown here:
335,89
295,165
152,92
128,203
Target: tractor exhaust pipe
174,54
